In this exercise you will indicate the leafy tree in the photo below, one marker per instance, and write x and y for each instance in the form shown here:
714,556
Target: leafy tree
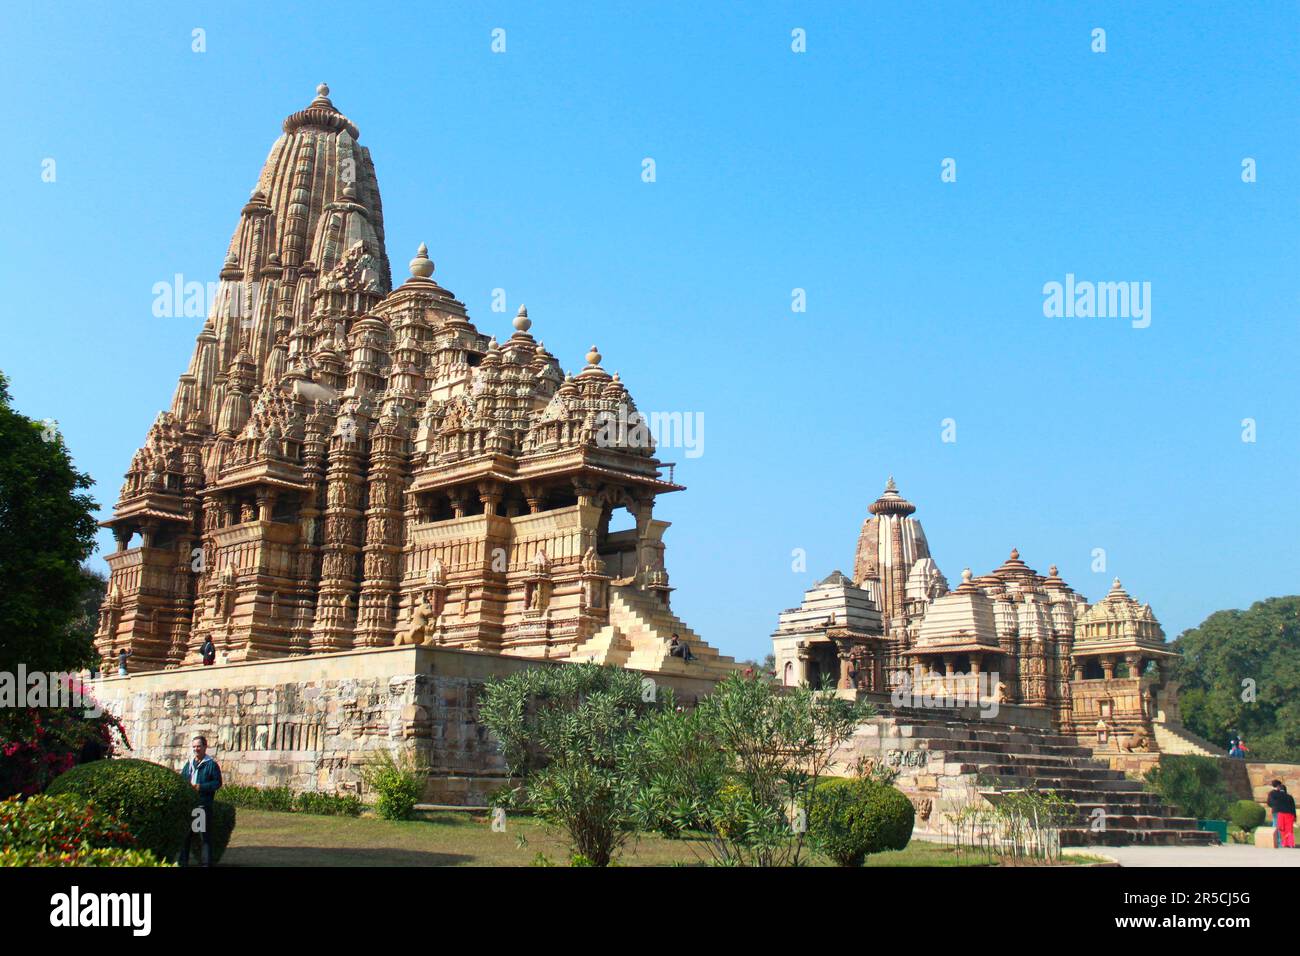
1240,671
572,739
1192,783
742,765
47,528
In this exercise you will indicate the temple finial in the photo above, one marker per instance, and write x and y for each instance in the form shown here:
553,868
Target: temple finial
422,265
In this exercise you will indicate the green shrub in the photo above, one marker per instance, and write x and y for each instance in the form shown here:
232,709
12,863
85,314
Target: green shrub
90,856
328,804
64,823
152,801
1246,814
1192,783
398,782
736,764
259,798
573,743
849,819
284,800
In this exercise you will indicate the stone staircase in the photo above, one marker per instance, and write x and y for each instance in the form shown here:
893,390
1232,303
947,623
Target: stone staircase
1175,739
637,636
947,760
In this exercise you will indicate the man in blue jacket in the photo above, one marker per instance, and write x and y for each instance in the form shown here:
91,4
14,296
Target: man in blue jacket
202,773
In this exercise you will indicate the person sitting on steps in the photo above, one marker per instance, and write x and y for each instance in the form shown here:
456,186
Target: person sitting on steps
679,648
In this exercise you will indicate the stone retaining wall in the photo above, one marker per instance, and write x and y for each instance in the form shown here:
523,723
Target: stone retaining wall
309,722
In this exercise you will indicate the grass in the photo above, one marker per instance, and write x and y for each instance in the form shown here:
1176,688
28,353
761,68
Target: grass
268,838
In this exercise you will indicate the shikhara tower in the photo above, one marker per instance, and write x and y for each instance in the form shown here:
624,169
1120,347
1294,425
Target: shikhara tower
346,464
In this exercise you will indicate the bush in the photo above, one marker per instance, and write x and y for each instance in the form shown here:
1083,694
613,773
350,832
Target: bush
1192,783
39,743
572,739
397,780
1246,814
152,801
328,804
91,856
849,819
279,799
741,765
65,823
284,800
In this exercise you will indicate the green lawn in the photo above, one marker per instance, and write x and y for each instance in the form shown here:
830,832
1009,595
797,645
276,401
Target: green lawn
265,838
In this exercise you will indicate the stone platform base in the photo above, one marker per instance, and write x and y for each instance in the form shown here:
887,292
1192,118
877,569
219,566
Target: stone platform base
309,722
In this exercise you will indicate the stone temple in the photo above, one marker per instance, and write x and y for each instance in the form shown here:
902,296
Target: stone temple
1010,680
350,465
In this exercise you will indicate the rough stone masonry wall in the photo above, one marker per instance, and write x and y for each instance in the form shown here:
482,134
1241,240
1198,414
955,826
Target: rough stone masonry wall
310,722
935,785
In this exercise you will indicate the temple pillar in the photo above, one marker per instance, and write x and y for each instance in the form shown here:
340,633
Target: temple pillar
1134,662
490,494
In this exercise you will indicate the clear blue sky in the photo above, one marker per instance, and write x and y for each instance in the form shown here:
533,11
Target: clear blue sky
775,171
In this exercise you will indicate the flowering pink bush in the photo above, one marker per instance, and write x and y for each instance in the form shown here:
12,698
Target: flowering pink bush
39,743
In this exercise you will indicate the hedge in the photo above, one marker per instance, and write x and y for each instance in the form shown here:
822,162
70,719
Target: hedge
284,800
152,801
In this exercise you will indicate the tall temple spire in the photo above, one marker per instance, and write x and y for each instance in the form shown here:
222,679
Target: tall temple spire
314,221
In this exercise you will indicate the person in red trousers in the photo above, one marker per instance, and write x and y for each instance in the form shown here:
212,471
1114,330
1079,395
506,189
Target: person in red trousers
1283,806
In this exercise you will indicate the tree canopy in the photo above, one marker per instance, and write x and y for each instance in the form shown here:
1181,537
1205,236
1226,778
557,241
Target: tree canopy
1240,671
47,529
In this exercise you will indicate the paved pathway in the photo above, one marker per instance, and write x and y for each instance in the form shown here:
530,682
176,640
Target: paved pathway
1231,854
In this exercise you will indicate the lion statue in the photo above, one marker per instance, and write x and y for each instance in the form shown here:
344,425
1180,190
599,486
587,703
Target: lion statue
418,631
1136,742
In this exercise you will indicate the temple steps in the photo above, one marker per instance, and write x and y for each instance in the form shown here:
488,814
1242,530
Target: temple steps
972,755
1179,740
1136,836
638,634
